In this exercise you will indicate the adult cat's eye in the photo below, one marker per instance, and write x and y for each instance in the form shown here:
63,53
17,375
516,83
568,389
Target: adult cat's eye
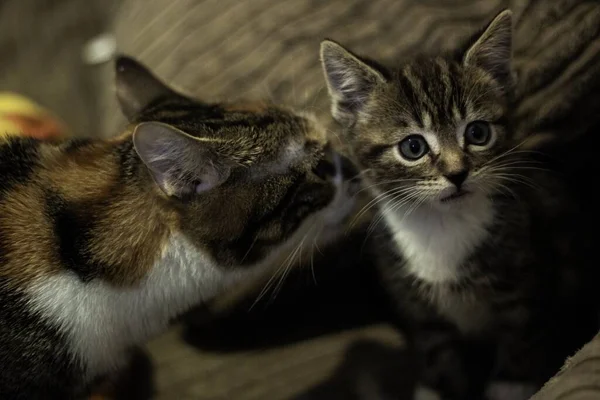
478,133
413,147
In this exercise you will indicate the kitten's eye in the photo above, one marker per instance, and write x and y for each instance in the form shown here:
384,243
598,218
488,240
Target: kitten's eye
413,147
478,133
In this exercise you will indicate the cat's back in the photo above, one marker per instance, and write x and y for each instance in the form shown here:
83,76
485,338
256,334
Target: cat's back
38,179
37,357
18,160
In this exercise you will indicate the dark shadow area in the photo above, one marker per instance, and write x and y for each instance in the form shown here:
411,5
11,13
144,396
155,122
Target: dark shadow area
341,292
137,381
370,370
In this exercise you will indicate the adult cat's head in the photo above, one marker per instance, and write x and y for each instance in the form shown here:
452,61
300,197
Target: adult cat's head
434,130
245,177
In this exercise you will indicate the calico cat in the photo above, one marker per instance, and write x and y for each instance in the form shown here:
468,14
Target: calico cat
103,242
478,245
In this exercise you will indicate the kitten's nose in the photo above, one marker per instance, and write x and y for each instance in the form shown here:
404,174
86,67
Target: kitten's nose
458,178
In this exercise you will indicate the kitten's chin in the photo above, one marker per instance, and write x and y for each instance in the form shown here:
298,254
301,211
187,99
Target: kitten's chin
456,200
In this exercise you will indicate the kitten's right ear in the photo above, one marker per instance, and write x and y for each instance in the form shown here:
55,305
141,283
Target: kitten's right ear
492,51
349,81
180,164
137,87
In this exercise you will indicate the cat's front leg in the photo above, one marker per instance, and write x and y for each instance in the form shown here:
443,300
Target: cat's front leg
452,367
524,360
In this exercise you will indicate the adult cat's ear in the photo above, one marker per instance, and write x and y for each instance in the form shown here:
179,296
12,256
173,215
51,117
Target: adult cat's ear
180,164
137,87
350,81
492,51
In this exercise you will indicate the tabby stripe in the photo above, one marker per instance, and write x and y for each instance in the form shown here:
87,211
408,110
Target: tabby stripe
409,92
420,87
250,247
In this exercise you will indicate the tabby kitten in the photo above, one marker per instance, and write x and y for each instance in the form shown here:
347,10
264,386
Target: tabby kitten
103,242
470,248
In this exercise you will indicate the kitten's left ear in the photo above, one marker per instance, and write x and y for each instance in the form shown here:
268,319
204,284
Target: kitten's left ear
137,87
349,79
492,51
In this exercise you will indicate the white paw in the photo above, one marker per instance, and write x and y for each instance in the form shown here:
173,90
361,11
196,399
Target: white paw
501,390
425,393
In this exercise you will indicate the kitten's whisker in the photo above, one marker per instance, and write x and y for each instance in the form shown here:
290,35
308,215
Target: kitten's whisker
396,203
516,178
375,201
507,152
404,180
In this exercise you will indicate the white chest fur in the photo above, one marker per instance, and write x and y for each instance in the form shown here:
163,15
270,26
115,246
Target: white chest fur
435,241
101,321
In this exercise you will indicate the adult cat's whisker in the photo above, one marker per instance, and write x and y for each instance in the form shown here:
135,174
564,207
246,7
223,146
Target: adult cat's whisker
272,279
297,252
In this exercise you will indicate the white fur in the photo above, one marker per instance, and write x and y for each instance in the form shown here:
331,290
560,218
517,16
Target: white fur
436,240
102,321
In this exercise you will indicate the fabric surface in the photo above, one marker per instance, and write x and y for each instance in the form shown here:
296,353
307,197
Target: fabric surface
579,379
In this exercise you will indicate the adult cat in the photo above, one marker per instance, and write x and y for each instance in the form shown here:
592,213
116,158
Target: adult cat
103,242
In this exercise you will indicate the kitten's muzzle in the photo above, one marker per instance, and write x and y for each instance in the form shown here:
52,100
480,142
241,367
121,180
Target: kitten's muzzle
458,178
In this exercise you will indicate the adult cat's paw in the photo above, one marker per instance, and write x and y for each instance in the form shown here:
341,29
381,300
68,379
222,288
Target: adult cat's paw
426,393
501,390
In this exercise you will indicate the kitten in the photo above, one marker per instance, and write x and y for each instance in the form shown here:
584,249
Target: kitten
102,243
478,243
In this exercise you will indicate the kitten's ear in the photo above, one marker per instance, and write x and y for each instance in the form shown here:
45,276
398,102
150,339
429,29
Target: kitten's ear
137,87
492,51
179,163
349,81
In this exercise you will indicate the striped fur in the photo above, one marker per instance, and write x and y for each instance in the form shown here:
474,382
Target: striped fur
470,226
102,243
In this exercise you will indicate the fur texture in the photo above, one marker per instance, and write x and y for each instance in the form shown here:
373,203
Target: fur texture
481,247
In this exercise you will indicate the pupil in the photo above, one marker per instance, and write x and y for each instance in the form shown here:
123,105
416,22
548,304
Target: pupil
414,146
478,133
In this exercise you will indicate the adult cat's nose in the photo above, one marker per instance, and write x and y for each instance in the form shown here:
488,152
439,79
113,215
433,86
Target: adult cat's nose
457,178
326,168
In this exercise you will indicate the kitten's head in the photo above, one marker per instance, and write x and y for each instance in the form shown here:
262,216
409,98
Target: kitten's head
434,130
244,177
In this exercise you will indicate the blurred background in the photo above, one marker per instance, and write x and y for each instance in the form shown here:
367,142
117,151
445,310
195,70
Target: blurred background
324,337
